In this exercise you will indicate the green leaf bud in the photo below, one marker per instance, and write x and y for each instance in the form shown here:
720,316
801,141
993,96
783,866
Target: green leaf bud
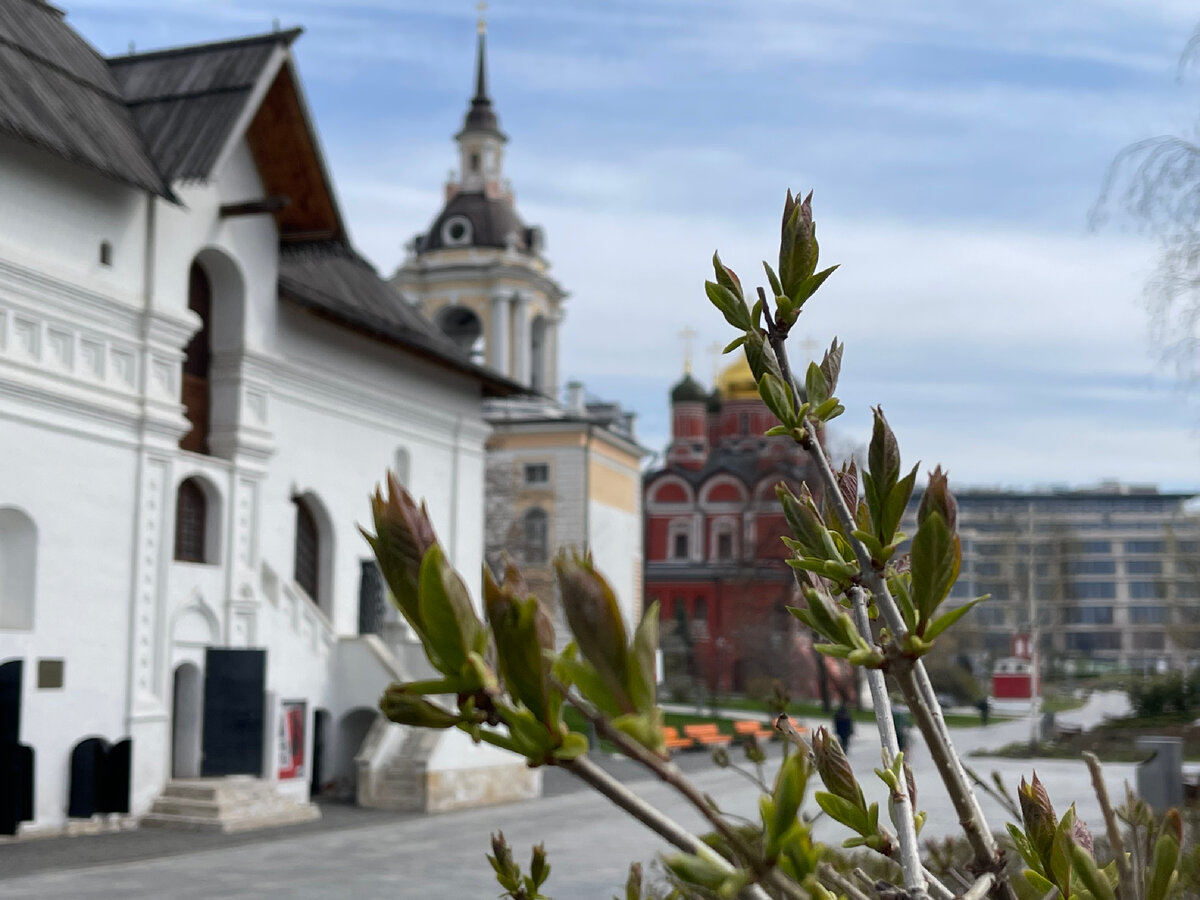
403,535
405,708
937,497
835,770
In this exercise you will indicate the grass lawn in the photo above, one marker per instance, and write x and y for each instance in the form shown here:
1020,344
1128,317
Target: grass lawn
757,709
1057,704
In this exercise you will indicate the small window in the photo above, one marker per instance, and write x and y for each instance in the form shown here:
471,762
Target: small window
743,423
49,674
457,231
474,162
537,536
681,546
307,547
537,473
105,253
191,522
725,545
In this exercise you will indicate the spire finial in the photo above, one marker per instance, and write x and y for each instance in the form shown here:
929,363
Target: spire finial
687,336
481,95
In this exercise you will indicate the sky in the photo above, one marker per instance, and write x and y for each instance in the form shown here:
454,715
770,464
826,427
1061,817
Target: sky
955,150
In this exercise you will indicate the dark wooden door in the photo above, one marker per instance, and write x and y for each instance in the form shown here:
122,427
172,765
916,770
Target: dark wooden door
16,759
10,702
87,775
234,685
113,789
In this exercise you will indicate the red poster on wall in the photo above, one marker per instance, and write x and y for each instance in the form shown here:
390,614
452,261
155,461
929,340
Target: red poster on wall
292,716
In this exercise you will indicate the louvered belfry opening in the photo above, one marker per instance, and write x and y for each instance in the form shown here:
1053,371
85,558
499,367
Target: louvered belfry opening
307,550
196,392
191,522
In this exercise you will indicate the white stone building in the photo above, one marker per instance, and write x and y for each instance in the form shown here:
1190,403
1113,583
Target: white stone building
200,383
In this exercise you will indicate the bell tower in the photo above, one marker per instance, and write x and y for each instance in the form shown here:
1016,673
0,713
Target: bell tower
479,272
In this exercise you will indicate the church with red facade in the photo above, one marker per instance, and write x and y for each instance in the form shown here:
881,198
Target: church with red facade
714,558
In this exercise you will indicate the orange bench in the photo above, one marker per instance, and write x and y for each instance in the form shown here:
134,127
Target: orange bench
749,729
707,734
672,739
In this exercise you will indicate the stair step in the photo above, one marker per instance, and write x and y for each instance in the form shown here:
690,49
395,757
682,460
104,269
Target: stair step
294,815
225,804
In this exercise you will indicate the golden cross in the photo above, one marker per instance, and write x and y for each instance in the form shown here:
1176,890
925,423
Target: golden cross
687,335
481,6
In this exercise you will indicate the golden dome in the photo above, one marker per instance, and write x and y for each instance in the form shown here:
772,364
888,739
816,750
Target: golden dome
736,381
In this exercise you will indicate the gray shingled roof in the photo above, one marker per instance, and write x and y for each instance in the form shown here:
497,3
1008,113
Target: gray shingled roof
331,279
492,220
187,100
57,93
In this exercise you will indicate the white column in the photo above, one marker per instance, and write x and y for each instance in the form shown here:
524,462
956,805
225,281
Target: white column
550,367
497,341
520,334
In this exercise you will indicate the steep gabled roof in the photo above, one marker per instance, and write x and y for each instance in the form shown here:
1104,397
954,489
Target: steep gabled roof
332,280
191,102
57,93
187,100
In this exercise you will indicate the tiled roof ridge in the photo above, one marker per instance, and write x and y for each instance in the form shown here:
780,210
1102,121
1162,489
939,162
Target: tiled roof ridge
189,95
287,36
66,73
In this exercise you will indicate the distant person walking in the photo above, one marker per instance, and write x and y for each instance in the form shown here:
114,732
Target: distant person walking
843,725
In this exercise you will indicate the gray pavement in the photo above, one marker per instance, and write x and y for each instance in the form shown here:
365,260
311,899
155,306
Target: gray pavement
590,843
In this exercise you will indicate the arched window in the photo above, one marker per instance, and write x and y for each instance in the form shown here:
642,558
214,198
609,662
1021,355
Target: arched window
724,545
537,536
18,569
196,394
308,550
462,326
191,522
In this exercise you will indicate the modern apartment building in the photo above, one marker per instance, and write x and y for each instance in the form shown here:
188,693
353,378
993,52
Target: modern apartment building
1109,575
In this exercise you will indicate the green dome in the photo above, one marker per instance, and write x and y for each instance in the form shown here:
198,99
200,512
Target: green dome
713,403
689,390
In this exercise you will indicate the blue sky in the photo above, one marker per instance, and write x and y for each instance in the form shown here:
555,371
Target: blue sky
955,150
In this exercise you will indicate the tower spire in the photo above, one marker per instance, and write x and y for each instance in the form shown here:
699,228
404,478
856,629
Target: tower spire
481,57
481,117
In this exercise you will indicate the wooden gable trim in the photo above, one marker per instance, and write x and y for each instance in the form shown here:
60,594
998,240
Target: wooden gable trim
290,164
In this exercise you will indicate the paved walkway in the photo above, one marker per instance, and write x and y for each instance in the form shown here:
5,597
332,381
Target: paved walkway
371,855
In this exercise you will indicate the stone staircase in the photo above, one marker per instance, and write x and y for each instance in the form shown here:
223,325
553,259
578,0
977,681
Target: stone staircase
397,780
400,783
235,803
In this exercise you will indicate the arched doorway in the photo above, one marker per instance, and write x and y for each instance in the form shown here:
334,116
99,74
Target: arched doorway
187,709
196,358
352,731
